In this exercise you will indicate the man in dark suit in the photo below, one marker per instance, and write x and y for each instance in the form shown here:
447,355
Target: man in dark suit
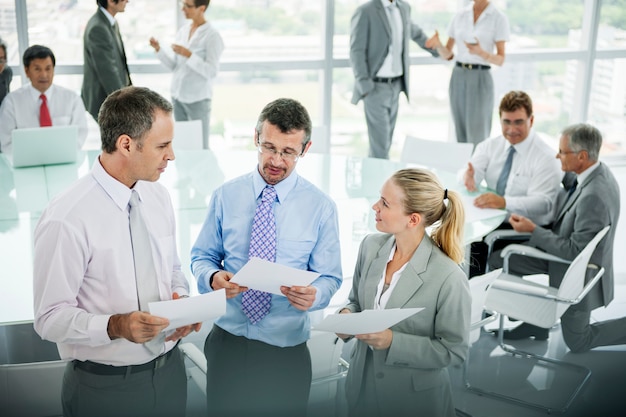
592,203
379,54
105,67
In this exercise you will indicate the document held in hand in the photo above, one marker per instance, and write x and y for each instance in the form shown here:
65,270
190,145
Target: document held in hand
259,274
190,310
367,321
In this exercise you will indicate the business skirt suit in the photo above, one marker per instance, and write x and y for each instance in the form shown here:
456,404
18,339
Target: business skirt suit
411,376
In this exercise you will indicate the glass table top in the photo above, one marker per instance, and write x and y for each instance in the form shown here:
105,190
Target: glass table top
353,183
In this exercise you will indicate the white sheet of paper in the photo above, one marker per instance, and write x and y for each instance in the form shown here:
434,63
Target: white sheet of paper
267,276
367,321
473,213
185,311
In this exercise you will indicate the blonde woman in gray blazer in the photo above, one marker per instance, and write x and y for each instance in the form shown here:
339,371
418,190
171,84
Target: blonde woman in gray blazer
402,370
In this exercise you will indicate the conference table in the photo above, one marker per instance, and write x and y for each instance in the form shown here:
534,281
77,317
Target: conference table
353,182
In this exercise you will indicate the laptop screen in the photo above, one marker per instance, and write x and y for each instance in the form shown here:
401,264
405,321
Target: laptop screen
44,145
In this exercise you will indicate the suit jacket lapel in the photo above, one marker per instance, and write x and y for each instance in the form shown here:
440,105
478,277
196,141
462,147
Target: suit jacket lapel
384,19
410,280
376,270
570,202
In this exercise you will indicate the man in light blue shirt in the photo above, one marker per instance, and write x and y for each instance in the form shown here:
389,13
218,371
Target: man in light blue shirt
267,360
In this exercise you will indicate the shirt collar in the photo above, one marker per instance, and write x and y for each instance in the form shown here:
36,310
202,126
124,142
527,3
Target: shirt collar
108,15
585,174
282,188
386,3
36,93
118,192
524,146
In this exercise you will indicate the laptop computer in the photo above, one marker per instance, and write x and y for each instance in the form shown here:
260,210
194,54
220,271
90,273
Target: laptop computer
44,145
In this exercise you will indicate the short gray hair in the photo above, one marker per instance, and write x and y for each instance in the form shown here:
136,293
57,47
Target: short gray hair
584,137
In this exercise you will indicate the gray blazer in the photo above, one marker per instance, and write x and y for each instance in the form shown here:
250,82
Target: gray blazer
370,38
105,68
411,375
594,205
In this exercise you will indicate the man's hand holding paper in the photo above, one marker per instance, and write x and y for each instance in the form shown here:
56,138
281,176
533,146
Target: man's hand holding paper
267,276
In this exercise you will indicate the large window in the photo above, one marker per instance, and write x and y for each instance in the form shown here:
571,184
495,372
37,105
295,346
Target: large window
297,48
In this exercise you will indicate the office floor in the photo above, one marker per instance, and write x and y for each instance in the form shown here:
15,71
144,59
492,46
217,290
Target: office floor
604,395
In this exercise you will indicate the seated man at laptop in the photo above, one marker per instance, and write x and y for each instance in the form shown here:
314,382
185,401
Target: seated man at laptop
40,103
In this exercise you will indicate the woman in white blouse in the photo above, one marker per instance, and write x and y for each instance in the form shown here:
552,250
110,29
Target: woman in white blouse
402,371
194,62
479,32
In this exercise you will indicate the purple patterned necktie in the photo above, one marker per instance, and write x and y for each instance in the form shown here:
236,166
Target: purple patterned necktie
256,304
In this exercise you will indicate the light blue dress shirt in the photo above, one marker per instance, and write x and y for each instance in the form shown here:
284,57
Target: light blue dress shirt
307,231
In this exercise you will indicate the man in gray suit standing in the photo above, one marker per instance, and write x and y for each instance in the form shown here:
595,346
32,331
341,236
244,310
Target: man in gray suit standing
105,67
592,202
379,55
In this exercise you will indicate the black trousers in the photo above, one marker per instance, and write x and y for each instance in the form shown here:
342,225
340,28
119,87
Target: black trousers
248,378
158,392
479,252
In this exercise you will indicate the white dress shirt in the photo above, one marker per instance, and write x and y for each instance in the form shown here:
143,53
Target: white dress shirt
20,109
84,271
394,17
193,77
534,179
382,297
492,26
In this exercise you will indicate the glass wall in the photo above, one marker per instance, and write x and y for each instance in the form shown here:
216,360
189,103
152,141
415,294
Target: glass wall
300,49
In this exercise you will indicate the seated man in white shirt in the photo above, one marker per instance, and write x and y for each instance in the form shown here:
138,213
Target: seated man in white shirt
519,168
25,106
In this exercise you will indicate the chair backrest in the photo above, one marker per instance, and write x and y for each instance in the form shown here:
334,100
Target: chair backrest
319,143
444,156
574,278
478,289
31,389
188,135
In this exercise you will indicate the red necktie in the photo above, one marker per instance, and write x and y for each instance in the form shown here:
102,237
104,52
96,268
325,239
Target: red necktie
44,113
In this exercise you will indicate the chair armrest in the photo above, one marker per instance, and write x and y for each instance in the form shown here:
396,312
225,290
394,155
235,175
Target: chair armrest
590,284
524,250
494,315
194,354
507,234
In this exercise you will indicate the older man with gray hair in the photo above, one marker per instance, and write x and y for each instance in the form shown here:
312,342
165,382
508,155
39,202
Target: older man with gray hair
591,203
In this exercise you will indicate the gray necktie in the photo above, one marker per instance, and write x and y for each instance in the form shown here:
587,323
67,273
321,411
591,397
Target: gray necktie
145,274
506,170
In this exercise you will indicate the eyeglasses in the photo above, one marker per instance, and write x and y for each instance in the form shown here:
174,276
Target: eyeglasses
267,149
187,5
567,152
516,123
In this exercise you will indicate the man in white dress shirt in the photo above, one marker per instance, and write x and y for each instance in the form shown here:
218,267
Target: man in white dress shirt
89,293
21,108
534,176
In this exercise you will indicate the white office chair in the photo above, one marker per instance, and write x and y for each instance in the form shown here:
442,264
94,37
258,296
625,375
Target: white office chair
541,305
438,155
188,135
31,389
